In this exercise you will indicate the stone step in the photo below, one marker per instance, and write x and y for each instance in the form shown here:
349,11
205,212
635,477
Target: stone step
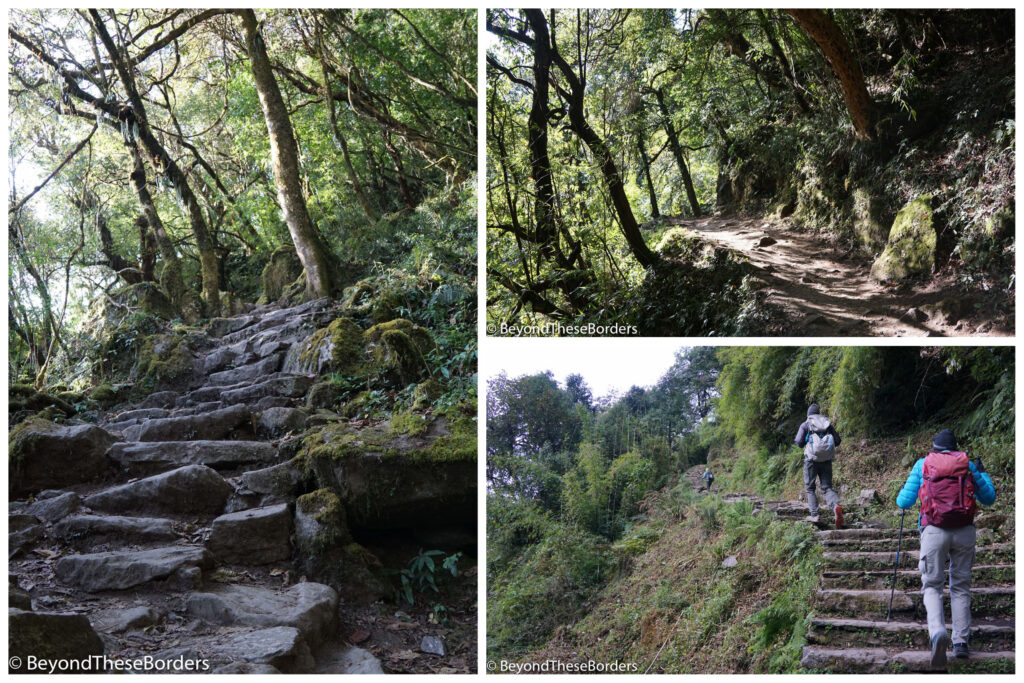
286,318
872,544
997,602
986,636
214,425
981,575
309,607
282,647
193,489
118,570
278,384
247,373
997,553
292,386
140,414
865,533
252,537
879,660
85,532
151,457
197,409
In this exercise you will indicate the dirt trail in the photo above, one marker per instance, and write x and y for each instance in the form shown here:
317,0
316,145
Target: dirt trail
825,293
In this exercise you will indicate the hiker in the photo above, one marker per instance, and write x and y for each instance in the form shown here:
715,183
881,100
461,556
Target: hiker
949,486
819,440
708,478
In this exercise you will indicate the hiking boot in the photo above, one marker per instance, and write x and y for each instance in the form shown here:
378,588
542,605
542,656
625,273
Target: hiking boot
961,651
839,516
940,641
813,519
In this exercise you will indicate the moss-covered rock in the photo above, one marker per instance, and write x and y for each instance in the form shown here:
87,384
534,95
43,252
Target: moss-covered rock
326,551
426,393
104,394
163,359
324,395
911,246
399,349
868,223
679,243
283,268
395,474
339,347
42,455
152,300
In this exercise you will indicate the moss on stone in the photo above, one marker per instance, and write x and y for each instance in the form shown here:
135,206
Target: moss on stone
339,347
426,393
163,358
680,243
408,423
104,393
911,246
323,505
399,349
868,223
281,271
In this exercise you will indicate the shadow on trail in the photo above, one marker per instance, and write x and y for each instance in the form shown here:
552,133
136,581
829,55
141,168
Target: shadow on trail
825,293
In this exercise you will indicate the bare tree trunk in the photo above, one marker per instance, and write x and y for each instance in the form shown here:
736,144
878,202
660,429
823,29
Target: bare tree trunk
788,70
285,161
677,152
396,161
824,31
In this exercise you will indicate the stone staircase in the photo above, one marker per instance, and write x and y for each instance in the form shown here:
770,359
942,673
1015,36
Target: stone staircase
849,632
173,556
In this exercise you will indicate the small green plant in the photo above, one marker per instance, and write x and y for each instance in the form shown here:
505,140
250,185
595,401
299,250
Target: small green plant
422,570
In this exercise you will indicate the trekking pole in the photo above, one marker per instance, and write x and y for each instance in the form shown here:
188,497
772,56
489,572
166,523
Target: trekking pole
899,543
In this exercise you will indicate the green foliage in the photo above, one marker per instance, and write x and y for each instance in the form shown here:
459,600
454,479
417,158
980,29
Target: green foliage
423,572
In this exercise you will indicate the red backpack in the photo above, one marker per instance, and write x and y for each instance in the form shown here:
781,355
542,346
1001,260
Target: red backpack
947,491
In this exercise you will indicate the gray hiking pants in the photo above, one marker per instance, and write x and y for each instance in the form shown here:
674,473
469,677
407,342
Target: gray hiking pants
952,549
822,472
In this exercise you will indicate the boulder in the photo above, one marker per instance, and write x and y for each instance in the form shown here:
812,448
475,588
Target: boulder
396,474
279,480
868,497
160,399
85,532
283,268
51,636
274,422
339,347
309,607
399,350
257,536
163,359
54,509
193,489
118,570
147,457
216,424
910,249
44,455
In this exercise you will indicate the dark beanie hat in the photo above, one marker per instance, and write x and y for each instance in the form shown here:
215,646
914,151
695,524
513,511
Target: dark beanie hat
944,441
813,410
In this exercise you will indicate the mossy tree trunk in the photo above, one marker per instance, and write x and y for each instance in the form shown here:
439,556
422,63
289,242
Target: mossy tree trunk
284,155
170,277
824,31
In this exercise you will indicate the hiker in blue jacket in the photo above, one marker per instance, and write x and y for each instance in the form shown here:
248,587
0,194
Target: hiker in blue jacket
819,440
948,484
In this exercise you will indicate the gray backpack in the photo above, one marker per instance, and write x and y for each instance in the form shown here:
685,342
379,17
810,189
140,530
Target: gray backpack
821,447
